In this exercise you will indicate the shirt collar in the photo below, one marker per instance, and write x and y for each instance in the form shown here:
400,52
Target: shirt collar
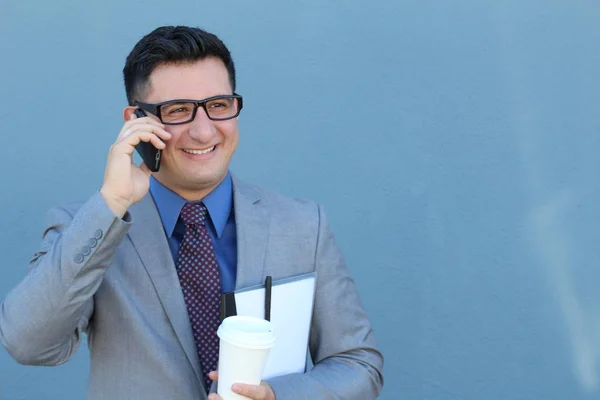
169,204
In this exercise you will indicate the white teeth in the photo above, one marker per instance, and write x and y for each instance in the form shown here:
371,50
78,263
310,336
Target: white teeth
199,151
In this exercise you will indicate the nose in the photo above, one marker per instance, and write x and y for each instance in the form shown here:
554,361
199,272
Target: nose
202,128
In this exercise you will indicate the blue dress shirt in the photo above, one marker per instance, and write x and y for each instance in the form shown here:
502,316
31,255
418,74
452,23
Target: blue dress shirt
220,224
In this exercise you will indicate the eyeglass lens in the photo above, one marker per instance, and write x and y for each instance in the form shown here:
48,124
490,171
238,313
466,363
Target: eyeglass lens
219,108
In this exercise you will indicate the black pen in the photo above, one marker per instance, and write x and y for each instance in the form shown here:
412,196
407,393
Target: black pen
223,306
268,285
227,305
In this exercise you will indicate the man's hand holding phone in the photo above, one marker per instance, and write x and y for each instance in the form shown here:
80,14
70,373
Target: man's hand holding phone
124,182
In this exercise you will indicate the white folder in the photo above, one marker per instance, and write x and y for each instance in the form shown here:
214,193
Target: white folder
292,301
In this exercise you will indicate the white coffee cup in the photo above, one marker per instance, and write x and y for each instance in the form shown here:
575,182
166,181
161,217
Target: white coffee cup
243,352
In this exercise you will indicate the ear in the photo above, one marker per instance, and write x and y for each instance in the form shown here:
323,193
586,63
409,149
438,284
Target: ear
128,112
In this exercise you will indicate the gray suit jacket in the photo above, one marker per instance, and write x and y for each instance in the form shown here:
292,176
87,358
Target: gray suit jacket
115,280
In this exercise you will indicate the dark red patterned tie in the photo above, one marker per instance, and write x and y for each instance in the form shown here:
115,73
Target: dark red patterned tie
199,277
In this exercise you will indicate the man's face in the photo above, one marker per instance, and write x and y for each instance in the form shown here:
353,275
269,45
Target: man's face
197,157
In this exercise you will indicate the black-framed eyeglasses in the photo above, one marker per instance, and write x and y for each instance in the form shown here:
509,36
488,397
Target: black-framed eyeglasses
182,111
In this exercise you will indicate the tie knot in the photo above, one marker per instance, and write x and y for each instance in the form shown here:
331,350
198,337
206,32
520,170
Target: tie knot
193,214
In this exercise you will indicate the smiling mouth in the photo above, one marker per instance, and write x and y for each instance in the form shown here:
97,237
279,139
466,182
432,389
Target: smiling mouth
199,151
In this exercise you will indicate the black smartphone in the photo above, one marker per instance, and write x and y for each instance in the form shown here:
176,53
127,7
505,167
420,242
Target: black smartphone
150,154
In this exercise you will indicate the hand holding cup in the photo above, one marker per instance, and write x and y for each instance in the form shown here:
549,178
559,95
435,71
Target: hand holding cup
243,352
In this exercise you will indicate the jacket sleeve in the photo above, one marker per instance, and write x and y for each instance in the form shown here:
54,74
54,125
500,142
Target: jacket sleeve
347,364
42,319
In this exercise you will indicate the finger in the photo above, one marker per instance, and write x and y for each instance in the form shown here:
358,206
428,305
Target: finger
145,169
144,127
159,144
135,138
255,392
145,120
214,396
134,121
126,131
157,130
214,375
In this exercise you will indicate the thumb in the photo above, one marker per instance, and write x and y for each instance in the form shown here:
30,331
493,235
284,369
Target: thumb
214,375
145,169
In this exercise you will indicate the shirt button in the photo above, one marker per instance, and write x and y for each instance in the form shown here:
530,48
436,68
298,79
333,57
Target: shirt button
98,234
92,242
78,258
86,250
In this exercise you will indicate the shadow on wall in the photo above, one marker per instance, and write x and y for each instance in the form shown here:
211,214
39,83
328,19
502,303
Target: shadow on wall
554,245
547,221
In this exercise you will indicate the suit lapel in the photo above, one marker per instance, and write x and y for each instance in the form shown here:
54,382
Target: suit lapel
149,239
252,231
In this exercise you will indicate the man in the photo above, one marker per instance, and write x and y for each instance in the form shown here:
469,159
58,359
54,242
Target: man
125,266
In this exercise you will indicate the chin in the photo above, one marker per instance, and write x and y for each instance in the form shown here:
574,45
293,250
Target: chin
205,180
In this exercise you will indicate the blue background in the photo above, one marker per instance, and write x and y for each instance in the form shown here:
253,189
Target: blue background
454,144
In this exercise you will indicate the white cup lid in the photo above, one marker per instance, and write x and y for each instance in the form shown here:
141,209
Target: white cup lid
247,332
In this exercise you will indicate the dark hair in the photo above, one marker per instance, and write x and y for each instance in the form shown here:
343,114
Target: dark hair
170,44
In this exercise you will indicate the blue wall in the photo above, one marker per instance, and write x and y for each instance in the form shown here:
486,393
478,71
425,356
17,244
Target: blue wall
454,144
